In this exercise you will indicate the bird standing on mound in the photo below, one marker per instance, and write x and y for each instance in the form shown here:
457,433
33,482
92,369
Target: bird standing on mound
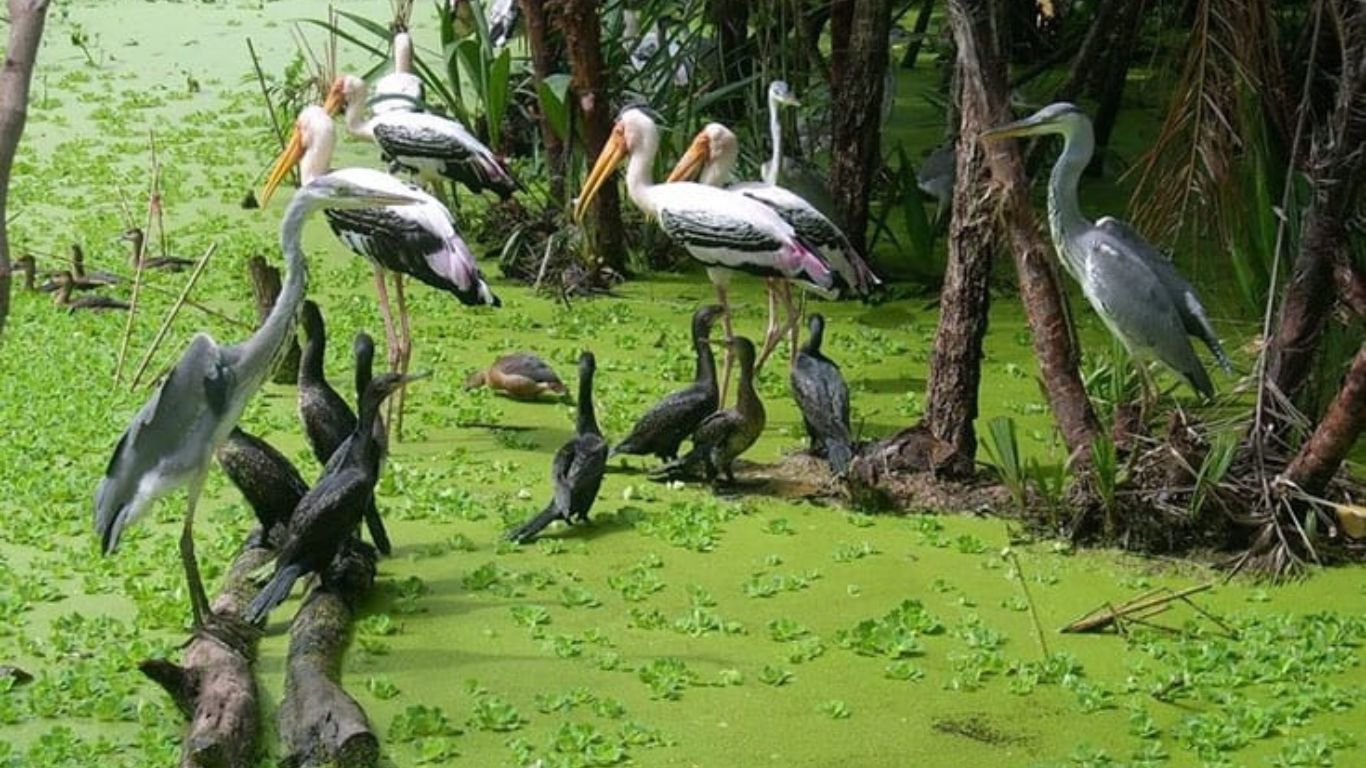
578,468
665,426
330,513
823,398
1139,295
724,435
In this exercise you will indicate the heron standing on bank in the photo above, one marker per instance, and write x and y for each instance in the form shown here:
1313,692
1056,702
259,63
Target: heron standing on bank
1139,295
172,439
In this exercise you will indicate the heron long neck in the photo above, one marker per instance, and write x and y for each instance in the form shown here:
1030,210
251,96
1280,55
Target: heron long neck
1065,220
587,419
259,352
775,131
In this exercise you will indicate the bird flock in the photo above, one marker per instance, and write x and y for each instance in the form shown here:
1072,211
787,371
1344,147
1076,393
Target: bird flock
757,228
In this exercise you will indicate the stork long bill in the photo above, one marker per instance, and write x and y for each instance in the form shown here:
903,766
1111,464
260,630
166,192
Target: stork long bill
612,155
336,97
289,157
692,161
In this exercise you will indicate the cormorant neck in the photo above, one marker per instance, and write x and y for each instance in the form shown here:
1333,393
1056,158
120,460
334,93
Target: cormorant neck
311,356
706,363
587,419
1065,220
817,337
747,399
365,361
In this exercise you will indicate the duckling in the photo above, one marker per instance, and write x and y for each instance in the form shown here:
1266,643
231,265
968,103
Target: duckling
725,435
823,398
29,267
578,468
65,282
665,426
93,279
136,238
520,376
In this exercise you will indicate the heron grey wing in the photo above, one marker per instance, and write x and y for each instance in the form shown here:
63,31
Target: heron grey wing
710,228
1135,304
1187,301
528,365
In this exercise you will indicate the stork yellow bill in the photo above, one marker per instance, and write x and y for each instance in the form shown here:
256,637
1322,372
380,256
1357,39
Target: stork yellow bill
289,157
613,154
693,161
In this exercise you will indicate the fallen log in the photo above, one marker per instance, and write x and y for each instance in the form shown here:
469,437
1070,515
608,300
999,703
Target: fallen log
214,685
320,724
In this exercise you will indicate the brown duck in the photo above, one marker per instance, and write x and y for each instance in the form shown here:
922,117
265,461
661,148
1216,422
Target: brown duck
521,376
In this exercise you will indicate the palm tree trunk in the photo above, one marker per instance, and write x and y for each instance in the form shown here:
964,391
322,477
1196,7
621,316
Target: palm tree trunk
26,19
546,50
731,19
1323,453
859,55
983,75
588,79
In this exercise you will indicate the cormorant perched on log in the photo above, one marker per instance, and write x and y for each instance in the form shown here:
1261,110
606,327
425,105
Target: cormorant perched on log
665,426
724,435
329,514
578,468
267,480
328,420
823,398
520,376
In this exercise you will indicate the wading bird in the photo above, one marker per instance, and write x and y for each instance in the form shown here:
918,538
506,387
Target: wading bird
726,231
400,90
268,481
800,176
645,48
330,512
520,376
1139,295
326,417
431,146
501,20
714,153
724,435
823,398
417,240
672,420
578,467
172,439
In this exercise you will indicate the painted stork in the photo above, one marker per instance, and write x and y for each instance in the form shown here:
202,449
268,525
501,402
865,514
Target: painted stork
647,46
502,17
714,153
400,90
726,231
418,240
431,146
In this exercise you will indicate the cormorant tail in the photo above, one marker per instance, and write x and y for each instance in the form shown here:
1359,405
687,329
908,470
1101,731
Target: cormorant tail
527,531
273,593
375,525
838,453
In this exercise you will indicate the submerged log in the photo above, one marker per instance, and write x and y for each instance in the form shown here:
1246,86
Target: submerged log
214,685
320,724
265,288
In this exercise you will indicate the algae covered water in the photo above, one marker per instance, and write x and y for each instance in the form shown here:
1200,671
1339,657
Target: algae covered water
679,628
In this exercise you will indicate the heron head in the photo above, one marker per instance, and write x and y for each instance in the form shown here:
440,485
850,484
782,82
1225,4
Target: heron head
359,188
1061,117
715,145
779,92
635,131
313,130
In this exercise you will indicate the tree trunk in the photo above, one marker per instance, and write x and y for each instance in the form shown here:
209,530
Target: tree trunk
1321,455
26,19
859,55
956,365
265,289
583,36
731,19
1335,169
1113,81
546,50
983,74
922,27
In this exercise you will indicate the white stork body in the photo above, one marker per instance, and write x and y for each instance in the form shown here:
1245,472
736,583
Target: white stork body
400,90
502,17
431,146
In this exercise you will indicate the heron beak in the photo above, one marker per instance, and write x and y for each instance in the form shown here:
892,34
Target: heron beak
1029,126
336,97
290,157
690,165
789,101
612,155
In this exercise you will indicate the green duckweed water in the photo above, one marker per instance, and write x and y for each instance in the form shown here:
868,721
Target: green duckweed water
678,629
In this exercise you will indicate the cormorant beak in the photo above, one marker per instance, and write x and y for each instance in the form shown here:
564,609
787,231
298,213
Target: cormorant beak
691,164
1030,126
612,155
336,97
290,157
409,378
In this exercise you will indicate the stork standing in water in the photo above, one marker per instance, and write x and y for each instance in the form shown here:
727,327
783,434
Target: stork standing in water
431,146
171,441
1139,295
417,240
714,153
726,231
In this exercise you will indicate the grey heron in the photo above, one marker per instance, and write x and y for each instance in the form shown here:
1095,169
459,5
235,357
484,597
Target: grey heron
800,176
1138,294
172,439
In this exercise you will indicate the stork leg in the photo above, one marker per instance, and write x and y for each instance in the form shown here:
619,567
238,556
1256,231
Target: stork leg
390,339
730,334
795,312
405,352
775,331
199,598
